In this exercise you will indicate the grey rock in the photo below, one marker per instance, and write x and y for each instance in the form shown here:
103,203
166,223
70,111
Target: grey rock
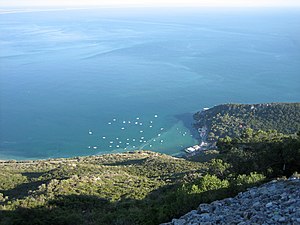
247,214
205,216
269,204
178,222
204,208
206,223
276,202
228,201
276,217
242,223
191,214
256,205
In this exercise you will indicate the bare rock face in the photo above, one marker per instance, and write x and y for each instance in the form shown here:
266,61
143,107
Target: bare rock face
277,202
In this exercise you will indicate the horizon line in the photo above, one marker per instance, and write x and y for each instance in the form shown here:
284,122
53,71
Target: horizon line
55,7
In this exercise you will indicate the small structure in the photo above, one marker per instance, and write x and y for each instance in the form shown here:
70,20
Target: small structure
192,149
197,148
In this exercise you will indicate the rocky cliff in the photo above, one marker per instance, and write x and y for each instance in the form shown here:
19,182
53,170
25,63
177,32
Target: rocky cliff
276,202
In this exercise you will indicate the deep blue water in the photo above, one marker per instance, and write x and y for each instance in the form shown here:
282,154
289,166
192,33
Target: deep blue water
66,75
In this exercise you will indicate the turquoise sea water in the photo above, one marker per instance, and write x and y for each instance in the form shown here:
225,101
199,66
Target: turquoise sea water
66,75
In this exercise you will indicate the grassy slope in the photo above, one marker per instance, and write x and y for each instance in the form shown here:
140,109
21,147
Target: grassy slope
110,189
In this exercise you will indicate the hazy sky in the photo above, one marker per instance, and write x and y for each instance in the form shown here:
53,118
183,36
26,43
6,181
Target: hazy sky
212,3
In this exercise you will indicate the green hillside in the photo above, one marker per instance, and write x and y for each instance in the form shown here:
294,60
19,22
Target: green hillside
233,119
130,188
127,188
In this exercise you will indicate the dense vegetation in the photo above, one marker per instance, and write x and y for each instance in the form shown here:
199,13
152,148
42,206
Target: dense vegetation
131,188
233,119
146,187
268,152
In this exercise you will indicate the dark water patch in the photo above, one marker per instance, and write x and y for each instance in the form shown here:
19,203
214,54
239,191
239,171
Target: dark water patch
188,121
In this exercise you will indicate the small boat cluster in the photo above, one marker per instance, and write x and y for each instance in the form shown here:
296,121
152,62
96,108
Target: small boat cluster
139,127
131,134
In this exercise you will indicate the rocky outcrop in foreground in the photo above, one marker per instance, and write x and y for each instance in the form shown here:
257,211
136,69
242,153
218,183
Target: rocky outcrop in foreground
277,202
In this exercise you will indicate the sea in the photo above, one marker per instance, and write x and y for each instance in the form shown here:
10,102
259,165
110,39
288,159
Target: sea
77,82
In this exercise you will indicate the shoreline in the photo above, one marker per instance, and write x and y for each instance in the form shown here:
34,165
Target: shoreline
75,158
78,158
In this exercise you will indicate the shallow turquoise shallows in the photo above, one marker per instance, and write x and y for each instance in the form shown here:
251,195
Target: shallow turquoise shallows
83,82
